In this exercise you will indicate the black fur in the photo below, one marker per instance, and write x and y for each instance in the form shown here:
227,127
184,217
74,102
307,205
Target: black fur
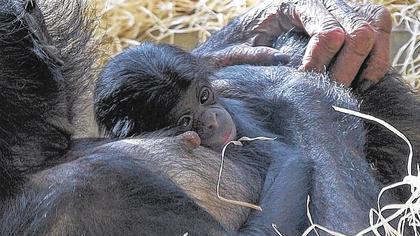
39,75
55,185
164,73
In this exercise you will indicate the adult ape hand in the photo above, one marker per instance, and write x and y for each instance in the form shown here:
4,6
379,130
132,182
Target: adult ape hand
350,32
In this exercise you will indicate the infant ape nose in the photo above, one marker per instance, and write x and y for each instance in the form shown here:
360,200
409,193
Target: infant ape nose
212,123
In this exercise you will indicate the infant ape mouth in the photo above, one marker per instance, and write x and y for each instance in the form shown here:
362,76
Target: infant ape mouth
229,136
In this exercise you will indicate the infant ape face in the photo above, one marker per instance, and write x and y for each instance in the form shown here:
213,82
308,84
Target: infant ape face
159,87
199,110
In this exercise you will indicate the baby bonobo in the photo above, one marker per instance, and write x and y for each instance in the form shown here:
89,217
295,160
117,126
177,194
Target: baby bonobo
160,87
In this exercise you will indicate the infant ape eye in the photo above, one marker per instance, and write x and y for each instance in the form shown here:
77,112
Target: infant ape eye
204,95
185,121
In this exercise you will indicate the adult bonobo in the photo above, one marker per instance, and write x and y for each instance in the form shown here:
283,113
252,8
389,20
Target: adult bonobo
158,185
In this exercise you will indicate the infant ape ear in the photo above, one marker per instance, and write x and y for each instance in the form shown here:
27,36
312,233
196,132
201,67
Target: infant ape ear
189,140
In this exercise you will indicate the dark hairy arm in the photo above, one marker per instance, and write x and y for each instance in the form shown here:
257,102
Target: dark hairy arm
337,29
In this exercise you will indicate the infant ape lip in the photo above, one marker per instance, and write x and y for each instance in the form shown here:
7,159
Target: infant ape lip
229,136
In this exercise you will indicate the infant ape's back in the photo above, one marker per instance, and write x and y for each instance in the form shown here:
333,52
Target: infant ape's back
151,87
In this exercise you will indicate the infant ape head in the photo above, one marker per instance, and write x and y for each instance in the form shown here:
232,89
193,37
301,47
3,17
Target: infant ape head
150,87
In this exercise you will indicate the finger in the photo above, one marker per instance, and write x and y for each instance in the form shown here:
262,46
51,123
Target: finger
261,23
327,36
358,43
378,62
243,54
321,49
357,47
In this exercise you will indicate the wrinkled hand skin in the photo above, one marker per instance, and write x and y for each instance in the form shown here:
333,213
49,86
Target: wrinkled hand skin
351,33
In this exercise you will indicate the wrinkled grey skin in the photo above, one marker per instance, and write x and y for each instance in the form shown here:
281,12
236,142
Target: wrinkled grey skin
340,32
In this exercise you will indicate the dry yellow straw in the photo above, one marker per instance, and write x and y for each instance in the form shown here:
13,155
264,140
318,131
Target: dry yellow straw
409,211
386,125
237,143
316,226
276,230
